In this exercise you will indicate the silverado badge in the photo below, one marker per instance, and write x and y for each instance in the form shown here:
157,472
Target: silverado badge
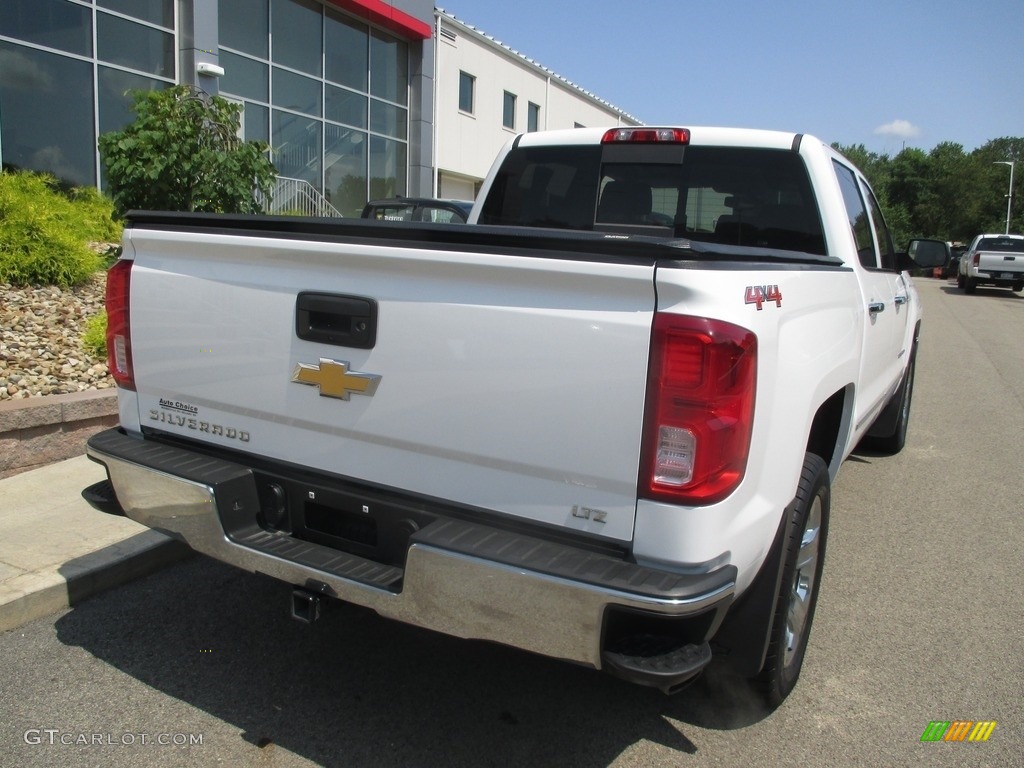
334,379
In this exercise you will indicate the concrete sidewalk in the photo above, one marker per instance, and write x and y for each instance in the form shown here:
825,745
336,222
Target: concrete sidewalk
56,550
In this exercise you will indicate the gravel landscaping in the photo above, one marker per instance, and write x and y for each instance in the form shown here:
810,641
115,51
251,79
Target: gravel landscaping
40,340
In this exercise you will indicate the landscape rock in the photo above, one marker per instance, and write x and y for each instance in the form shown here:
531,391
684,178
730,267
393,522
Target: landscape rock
41,328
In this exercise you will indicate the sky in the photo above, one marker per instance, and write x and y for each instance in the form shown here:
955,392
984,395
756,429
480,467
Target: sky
887,74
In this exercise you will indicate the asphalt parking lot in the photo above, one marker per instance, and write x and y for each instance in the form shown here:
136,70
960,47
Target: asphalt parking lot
920,620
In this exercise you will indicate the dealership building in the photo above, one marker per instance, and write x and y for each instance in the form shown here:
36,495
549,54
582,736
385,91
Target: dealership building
361,99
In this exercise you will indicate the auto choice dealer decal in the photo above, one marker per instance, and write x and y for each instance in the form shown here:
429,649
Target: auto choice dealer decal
178,414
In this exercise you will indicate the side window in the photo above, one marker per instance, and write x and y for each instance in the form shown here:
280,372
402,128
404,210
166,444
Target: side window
888,253
467,86
858,216
508,110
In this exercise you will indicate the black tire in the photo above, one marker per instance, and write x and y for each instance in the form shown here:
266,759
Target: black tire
804,542
970,285
1018,287
959,281
893,443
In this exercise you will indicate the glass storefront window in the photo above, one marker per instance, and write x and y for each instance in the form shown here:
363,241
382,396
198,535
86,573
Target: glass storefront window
154,11
115,100
345,79
389,68
345,177
47,106
345,107
256,123
298,93
244,77
387,168
245,26
296,146
53,23
122,42
296,30
346,43
388,119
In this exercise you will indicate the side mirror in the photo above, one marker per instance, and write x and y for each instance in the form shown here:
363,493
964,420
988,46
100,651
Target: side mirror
924,254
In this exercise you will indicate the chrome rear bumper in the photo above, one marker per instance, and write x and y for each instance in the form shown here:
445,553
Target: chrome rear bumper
461,578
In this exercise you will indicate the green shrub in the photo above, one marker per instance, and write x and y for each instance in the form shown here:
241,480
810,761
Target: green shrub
44,233
94,338
97,211
182,153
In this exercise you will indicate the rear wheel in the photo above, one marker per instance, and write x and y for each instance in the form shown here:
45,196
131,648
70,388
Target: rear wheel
970,285
1018,287
960,281
807,529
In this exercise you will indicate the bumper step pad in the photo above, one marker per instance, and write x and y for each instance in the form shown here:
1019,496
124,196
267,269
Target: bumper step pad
657,661
325,559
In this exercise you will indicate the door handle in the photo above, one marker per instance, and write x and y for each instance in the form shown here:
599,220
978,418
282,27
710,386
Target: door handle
343,321
901,300
875,307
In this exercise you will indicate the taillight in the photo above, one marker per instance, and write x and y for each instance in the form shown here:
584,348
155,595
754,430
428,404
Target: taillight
700,409
976,260
119,340
646,136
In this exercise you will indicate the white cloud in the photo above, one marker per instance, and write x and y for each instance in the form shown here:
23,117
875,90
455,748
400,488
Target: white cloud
20,73
902,129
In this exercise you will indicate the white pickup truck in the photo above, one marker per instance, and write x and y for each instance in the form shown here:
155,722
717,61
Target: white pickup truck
993,260
600,422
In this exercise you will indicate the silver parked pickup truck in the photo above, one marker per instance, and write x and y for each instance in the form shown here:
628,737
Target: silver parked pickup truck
993,260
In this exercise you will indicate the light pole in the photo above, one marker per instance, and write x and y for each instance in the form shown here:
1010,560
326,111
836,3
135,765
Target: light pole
1009,196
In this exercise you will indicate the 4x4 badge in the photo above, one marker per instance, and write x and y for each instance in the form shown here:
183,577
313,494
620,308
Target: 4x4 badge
334,379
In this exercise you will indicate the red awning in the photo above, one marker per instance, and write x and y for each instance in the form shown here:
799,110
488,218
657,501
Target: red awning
390,18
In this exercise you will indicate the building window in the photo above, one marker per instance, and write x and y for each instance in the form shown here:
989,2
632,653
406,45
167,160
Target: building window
533,117
508,112
244,26
52,23
467,84
48,114
65,68
296,32
159,12
342,126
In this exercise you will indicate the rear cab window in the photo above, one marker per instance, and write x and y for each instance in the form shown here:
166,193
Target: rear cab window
392,213
736,196
1001,244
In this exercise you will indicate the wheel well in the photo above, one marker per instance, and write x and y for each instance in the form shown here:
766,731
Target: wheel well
827,427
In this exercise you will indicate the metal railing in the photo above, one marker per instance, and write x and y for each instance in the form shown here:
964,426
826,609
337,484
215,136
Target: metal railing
297,197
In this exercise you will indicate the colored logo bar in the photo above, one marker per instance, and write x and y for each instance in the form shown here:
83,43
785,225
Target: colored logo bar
958,730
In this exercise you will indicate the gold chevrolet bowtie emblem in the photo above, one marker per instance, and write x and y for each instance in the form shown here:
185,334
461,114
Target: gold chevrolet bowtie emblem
334,379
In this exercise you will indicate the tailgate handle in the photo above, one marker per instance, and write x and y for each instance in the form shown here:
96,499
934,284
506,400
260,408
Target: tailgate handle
330,318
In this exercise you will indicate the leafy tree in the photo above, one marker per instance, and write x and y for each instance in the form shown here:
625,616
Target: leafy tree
182,153
945,193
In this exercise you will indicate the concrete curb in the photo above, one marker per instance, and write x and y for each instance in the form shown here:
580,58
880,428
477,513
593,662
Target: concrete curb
56,550
36,594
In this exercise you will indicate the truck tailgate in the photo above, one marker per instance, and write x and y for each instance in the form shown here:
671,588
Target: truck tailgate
509,383
1002,264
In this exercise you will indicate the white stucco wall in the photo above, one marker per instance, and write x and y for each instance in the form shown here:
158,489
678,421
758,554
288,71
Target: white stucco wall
467,144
